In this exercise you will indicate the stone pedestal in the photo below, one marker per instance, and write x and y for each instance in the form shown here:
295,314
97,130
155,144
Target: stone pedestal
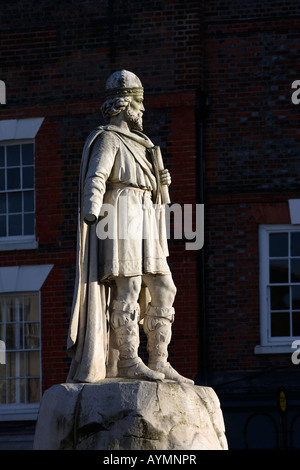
120,414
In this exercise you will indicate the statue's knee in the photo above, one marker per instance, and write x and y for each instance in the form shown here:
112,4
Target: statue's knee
167,290
170,287
128,288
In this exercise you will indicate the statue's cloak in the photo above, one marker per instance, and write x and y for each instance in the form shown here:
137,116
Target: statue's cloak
87,342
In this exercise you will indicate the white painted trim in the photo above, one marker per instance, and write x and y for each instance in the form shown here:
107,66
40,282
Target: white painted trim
263,273
16,129
23,278
31,244
2,92
276,349
294,207
20,412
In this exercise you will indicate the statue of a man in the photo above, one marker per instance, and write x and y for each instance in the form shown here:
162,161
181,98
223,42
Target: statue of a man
113,272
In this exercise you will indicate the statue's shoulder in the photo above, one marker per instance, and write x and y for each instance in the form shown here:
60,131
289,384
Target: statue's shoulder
101,134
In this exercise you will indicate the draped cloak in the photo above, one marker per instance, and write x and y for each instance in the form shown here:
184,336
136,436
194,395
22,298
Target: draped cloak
113,165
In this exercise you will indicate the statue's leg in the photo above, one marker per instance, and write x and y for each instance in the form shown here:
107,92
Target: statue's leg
124,322
157,324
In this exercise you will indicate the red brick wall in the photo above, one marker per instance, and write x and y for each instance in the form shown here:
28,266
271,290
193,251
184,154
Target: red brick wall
55,61
252,165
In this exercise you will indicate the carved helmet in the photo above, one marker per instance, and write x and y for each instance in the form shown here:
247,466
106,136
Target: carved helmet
123,83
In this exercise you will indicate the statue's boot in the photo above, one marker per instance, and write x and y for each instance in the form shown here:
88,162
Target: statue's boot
158,328
124,322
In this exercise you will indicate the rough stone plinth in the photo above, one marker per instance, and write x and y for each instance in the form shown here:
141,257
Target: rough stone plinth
120,414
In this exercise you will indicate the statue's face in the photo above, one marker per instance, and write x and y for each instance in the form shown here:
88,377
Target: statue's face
134,112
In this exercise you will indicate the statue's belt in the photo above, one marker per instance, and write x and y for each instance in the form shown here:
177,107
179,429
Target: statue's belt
111,186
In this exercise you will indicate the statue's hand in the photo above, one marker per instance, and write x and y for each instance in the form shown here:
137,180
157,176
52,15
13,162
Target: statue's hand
165,177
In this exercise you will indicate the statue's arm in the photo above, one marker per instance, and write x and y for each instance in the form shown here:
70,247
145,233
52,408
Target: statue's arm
99,168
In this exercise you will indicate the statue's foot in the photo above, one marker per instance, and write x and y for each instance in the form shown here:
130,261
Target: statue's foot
169,372
139,371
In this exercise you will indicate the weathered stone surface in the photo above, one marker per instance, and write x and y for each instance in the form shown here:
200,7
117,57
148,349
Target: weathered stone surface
123,414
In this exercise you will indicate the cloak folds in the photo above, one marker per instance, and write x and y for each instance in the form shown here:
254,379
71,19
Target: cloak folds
87,342
93,358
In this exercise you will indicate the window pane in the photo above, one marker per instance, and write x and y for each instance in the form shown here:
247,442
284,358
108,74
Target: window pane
33,390
32,336
14,309
14,202
33,363
2,162
27,177
280,324
2,314
278,245
31,308
295,243
2,371
14,225
2,180
14,335
296,323
27,154
13,178
11,314
295,270
3,226
16,391
11,391
280,299
28,201
279,272
2,203
13,155
296,297
11,364
15,364
28,224
2,391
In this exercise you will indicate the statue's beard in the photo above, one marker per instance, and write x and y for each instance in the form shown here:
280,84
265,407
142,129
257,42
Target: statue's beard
134,120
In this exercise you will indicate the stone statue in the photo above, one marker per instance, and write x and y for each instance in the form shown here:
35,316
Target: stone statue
114,275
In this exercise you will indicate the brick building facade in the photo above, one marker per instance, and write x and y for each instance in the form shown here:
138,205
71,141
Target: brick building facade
217,82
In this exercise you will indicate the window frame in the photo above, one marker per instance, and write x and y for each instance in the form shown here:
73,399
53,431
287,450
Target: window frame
15,411
17,240
16,131
270,345
16,280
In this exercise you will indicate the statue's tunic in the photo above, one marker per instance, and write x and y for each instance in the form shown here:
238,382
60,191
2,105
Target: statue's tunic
121,176
113,165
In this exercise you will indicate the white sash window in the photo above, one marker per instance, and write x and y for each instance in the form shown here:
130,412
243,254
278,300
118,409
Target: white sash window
279,287
20,340
20,333
17,183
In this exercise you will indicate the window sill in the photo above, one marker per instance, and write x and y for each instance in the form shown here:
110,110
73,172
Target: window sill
274,349
18,245
19,412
